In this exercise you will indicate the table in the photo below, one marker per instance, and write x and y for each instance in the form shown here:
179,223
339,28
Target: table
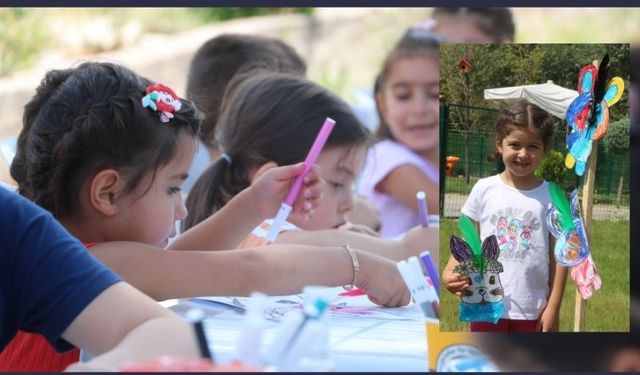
387,340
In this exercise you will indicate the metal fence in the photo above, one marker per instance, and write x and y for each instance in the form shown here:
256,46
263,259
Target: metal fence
468,154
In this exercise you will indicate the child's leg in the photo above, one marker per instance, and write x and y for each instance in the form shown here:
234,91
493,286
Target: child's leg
502,326
523,325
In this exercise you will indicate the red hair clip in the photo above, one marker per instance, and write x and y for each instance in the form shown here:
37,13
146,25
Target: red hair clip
163,100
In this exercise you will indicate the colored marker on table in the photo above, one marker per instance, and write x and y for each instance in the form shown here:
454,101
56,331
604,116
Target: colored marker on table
418,287
195,317
432,273
422,208
312,156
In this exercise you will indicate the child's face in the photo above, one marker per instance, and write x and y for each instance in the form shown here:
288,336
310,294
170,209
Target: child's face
338,168
522,151
409,102
149,216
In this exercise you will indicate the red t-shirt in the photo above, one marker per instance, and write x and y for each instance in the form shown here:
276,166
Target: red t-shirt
32,352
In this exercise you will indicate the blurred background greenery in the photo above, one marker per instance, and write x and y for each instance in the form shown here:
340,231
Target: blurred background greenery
28,33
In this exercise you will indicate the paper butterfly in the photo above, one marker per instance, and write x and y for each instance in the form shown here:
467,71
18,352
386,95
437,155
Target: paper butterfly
588,113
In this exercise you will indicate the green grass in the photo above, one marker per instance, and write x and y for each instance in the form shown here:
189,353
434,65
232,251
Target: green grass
606,311
456,184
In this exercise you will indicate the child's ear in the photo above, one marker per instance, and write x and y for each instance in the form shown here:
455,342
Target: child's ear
262,170
105,186
499,146
380,104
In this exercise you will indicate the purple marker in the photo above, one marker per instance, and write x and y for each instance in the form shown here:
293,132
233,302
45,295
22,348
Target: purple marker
425,256
422,209
312,156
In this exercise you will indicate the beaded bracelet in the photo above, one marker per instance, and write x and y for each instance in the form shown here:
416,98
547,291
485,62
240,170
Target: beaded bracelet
356,267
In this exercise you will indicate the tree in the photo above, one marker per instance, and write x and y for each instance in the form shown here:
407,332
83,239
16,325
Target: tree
616,141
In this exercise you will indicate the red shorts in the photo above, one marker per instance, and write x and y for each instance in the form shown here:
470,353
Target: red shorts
505,325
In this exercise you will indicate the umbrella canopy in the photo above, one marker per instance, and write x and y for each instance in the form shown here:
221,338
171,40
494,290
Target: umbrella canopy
548,96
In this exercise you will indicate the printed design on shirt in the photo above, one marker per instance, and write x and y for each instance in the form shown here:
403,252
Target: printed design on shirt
515,230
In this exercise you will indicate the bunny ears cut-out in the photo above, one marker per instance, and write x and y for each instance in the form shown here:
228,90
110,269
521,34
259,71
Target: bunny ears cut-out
161,99
588,113
470,254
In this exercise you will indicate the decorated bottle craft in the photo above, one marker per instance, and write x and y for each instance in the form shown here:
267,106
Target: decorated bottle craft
482,300
588,113
566,225
572,249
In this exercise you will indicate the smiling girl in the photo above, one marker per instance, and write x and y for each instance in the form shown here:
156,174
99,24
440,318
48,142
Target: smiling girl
533,282
405,158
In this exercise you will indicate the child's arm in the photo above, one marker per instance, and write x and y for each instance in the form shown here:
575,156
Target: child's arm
276,270
417,240
122,325
454,283
364,213
549,320
260,201
403,183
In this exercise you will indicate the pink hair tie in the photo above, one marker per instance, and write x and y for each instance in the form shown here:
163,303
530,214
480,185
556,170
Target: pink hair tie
163,100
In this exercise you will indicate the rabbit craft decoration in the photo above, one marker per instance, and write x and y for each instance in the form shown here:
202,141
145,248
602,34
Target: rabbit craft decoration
482,300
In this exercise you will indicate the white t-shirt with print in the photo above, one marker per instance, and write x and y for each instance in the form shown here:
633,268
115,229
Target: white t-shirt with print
517,218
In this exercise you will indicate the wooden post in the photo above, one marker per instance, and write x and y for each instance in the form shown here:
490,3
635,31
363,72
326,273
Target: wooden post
588,187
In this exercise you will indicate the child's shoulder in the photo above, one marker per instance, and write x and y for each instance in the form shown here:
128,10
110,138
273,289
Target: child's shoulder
487,182
388,145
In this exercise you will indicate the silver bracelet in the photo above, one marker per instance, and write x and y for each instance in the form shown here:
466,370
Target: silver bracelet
356,266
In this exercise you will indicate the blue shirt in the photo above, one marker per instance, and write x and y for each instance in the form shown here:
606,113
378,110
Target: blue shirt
47,277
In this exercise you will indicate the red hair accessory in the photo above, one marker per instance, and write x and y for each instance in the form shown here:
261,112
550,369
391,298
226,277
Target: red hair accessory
163,100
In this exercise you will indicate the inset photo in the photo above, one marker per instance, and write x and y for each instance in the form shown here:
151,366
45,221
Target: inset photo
534,230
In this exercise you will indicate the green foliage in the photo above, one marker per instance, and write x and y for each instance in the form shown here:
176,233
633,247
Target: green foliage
224,13
617,138
27,33
552,168
524,64
22,38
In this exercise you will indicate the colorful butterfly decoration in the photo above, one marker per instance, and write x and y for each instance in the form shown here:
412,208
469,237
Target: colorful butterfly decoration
588,113
482,300
564,221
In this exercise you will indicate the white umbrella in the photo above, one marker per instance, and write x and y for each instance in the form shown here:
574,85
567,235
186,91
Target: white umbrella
548,96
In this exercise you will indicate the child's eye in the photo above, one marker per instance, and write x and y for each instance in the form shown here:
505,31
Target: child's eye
174,190
337,186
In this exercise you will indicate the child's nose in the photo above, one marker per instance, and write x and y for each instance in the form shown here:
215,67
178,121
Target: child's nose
421,104
181,210
346,205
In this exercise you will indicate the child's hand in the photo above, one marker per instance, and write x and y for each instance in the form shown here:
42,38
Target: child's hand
380,278
419,239
454,282
271,189
549,321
